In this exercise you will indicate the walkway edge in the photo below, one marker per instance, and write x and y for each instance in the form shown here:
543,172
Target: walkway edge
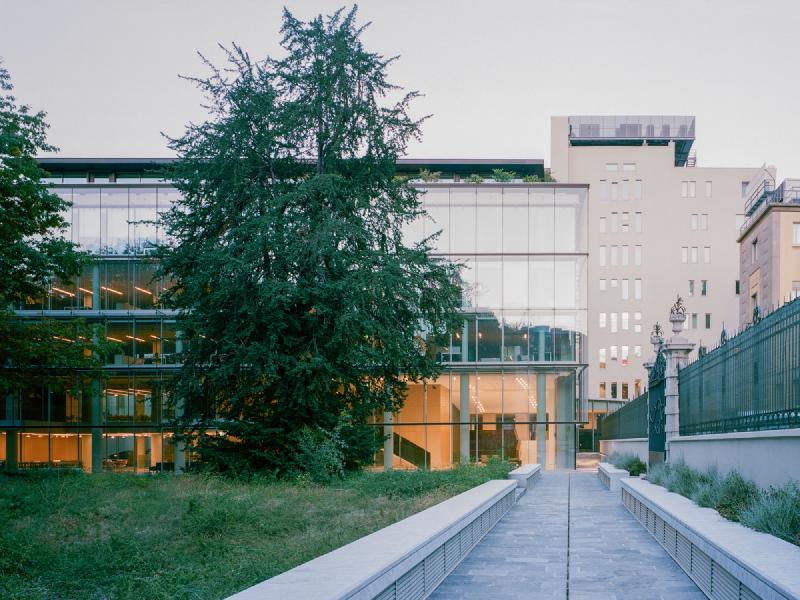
714,552
415,553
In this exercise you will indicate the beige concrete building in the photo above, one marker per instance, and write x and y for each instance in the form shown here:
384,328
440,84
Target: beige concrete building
769,245
659,226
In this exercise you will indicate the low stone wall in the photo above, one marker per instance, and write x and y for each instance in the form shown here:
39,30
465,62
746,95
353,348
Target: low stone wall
764,457
525,475
725,559
636,446
610,476
406,559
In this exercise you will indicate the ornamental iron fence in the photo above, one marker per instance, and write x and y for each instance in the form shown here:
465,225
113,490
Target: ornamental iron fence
629,421
749,382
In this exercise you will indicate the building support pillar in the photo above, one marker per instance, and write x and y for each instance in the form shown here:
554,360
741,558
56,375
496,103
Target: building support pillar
388,441
97,432
464,418
12,446
541,419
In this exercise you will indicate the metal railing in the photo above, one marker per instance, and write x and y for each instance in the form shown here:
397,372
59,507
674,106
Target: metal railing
749,382
630,421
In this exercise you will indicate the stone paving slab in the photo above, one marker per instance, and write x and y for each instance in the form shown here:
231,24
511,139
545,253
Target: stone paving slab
526,554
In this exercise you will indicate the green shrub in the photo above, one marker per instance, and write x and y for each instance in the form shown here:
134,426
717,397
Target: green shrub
628,462
320,454
777,512
531,179
503,176
474,178
430,176
658,474
736,495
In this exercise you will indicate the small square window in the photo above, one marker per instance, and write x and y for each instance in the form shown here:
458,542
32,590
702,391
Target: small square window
611,167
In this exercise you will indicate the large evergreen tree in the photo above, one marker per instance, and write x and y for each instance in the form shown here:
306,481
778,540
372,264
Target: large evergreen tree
303,312
33,252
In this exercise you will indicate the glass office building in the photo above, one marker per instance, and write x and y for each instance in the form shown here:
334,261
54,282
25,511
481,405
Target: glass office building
512,376
512,382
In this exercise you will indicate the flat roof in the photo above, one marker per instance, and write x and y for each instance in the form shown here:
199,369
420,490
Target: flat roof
461,166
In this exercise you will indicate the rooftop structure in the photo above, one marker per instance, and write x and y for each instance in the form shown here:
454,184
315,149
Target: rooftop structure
633,130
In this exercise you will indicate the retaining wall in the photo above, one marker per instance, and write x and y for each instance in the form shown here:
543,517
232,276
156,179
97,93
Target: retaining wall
768,458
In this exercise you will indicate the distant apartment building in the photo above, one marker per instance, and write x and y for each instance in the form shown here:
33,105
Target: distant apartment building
769,245
659,226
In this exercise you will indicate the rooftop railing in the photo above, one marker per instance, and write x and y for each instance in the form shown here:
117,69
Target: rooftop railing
631,127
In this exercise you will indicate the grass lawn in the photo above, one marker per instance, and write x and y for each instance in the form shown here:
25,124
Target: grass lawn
70,535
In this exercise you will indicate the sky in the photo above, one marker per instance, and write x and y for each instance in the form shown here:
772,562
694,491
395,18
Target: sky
492,72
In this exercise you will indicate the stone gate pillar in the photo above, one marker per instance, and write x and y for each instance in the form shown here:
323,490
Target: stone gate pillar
676,352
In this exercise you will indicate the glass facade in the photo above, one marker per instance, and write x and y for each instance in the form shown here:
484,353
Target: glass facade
114,423
513,372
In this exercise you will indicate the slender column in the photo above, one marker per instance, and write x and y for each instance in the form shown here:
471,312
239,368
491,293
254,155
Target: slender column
12,444
96,297
464,418
388,443
541,418
97,432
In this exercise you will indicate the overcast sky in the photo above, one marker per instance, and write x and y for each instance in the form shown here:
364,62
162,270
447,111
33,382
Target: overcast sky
493,72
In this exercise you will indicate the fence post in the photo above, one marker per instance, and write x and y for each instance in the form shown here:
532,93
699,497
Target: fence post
676,353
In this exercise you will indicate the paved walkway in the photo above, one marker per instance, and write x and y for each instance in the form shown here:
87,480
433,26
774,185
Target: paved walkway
568,537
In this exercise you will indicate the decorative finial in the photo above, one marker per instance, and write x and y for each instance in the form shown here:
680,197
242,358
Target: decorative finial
657,330
723,336
756,314
678,308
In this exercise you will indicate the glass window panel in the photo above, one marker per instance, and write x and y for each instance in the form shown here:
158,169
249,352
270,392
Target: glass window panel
146,288
115,286
489,220
167,198
489,338
518,405
570,220
462,220
86,219
488,282
515,220
114,221
64,295
66,195
568,334
542,215
570,288
488,434
437,205
515,282
468,279
143,214
121,333
542,281
147,342
515,337
540,335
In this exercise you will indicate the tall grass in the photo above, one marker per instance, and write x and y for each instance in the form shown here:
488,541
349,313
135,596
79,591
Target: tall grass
775,511
70,535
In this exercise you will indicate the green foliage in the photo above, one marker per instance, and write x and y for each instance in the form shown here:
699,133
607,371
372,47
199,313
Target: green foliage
300,304
777,512
88,537
548,177
736,495
320,454
628,462
33,253
474,178
531,178
503,176
429,176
